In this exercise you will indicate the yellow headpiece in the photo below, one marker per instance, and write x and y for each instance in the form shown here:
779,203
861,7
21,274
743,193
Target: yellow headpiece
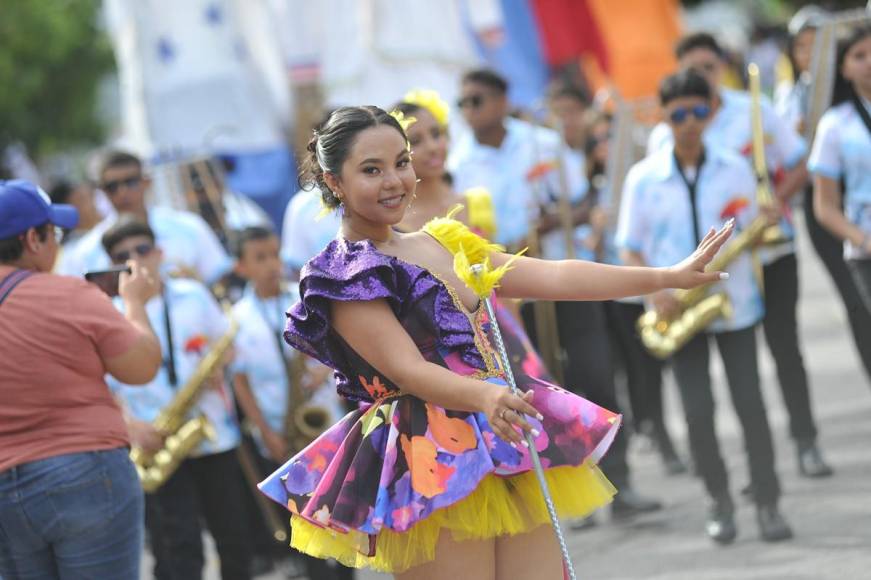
429,100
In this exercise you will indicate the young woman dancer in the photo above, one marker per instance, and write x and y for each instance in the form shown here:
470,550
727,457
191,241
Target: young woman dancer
429,479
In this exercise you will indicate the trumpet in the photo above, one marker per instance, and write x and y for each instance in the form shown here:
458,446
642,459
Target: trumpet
663,337
183,436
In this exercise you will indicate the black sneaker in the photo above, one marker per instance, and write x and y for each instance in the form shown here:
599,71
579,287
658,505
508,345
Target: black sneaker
811,462
772,525
720,525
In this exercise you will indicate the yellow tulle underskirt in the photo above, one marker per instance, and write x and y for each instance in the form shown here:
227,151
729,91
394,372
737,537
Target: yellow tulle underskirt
499,506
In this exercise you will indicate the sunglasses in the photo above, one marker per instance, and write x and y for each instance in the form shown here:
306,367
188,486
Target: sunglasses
471,102
681,114
112,187
140,250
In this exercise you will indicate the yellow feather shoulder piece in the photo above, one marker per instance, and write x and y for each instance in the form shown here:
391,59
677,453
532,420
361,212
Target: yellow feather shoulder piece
482,216
469,249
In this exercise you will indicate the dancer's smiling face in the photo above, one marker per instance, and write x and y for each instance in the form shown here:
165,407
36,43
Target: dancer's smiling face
376,180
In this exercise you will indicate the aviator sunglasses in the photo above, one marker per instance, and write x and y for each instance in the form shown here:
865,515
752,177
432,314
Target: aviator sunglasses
112,187
140,250
472,102
681,114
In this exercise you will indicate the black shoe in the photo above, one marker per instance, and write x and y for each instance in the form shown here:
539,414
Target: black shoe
720,525
772,525
628,503
811,462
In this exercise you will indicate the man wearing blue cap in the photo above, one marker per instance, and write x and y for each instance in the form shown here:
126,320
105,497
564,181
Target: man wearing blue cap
26,219
70,500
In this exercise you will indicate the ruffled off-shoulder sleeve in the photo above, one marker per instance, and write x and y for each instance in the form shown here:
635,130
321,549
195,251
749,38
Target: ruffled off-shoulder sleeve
344,271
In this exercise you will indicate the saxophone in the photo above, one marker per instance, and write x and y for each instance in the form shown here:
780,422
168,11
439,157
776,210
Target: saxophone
664,337
304,422
183,436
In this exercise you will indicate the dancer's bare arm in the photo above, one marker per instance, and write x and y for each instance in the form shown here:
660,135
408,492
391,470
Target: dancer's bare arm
582,280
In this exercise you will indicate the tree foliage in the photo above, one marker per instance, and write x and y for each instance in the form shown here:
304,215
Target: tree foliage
52,58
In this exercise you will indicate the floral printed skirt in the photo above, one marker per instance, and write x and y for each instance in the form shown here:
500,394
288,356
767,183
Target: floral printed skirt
377,488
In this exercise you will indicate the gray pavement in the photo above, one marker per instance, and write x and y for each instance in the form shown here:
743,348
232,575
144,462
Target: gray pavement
831,517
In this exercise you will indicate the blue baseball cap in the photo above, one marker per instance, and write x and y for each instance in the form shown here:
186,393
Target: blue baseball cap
23,205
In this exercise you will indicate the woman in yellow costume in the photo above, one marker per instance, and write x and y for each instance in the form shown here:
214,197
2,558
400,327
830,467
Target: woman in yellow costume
431,479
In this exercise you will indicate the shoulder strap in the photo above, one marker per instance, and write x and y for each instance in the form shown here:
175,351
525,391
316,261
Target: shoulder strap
11,281
862,111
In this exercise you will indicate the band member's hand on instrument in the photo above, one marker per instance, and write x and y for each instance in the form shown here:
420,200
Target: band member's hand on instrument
275,445
772,212
691,272
139,286
144,435
665,304
505,413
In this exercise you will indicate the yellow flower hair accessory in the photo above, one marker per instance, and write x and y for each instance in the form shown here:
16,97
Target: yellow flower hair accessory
431,101
404,122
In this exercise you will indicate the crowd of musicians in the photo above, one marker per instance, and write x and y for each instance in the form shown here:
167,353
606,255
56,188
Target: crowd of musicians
553,185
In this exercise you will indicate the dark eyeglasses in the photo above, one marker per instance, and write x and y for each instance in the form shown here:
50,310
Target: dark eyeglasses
140,250
471,102
681,114
112,187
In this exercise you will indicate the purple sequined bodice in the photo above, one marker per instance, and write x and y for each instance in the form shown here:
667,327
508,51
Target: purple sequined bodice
357,271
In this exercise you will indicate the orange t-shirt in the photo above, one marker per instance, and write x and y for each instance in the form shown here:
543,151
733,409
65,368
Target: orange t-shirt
54,333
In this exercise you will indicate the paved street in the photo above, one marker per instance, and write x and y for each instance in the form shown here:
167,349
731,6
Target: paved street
831,518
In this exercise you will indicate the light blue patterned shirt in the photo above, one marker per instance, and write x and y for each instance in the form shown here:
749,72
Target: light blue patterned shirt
731,129
261,321
656,220
842,149
197,322
509,173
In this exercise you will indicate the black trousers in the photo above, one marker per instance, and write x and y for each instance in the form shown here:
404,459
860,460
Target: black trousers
643,370
780,327
210,488
831,251
690,365
583,334
861,271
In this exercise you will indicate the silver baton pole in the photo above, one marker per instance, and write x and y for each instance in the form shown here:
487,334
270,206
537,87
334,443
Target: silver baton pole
477,269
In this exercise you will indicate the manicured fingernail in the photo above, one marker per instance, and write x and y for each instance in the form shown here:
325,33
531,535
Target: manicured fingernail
513,444
540,417
525,444
724,275
730,223
535,432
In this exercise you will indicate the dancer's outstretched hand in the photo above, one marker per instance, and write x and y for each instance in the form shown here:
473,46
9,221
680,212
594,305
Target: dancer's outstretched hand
691,272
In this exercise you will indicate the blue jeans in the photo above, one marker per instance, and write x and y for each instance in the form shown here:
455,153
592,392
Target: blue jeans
72,516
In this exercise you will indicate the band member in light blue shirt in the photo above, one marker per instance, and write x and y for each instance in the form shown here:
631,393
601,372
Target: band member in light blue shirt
730,127
842,155
671,199
208,484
